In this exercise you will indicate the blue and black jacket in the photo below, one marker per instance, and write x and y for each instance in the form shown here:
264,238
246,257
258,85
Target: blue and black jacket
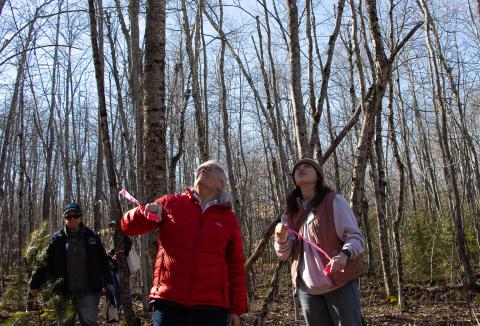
54,268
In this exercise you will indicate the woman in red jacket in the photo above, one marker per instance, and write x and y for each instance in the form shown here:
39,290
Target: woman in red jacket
199,276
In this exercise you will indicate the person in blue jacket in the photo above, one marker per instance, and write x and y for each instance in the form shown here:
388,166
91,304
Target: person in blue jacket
77,265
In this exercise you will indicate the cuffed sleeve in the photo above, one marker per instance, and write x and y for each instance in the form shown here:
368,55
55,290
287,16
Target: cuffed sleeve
346,226
134,222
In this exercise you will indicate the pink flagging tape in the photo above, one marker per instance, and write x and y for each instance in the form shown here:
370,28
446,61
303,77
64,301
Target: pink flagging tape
327,269
126,194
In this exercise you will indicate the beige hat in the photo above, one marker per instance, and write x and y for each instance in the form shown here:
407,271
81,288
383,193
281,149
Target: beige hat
309,161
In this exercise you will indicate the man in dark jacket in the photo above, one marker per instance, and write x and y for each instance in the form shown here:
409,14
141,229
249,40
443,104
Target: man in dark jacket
77,265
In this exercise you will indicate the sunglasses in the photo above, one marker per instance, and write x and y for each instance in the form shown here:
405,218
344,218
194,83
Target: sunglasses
69,217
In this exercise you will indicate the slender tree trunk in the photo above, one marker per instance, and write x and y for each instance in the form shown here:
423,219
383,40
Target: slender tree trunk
7,134
120,106
155,145
115,210
280,186
260,319
155,125
278,136
317,111
425,157
21,218
47,190
380,185
449,165
136,94
223,109
2,3
193,60
373,101
400,206
296,80
205,77
405,135
97,205
181,100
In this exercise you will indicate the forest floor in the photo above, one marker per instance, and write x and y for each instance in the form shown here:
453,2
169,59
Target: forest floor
426,305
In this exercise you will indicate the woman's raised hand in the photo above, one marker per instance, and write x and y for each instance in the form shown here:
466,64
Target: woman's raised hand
281,232
153,211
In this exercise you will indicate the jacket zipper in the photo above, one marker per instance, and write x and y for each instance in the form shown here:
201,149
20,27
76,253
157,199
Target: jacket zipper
195,246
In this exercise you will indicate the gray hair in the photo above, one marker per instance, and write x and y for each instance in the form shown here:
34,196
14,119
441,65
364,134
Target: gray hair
224,196
221,171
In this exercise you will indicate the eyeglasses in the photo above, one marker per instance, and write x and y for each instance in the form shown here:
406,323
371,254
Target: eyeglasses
70,216
208,169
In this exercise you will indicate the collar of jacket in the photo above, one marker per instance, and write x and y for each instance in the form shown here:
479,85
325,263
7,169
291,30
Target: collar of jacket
223,199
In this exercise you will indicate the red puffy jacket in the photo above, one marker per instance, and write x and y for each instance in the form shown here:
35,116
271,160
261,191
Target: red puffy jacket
200,258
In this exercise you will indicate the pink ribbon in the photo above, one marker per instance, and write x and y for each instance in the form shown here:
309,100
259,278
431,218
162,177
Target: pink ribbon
126,194
327,269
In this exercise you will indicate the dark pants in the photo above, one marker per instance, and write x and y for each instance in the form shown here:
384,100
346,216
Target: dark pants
85,306
340,307
114,298
171,314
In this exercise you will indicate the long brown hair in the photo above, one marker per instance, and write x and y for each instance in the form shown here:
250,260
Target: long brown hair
321,191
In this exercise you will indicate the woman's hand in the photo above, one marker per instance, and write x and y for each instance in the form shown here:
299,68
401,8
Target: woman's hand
281,232
233,320
153,211
337,263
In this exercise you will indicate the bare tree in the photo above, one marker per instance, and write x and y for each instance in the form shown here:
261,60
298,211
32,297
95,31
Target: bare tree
401,190
115,210
193,58
296,79
449,166
223,109
326,69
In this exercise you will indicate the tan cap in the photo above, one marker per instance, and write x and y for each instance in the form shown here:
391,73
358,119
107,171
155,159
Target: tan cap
309,161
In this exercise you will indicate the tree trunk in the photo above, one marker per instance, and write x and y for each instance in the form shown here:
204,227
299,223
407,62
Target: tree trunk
278,136
449,164
296,80
136,94
115,210
7,134
380,185
47,190
154,101
178,100
226,126
280,185
260,319
21,217
154,142
399,211
120,106
373,101
193,60
317,111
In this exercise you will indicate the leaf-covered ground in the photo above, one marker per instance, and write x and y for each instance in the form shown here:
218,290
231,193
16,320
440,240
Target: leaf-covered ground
426,305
